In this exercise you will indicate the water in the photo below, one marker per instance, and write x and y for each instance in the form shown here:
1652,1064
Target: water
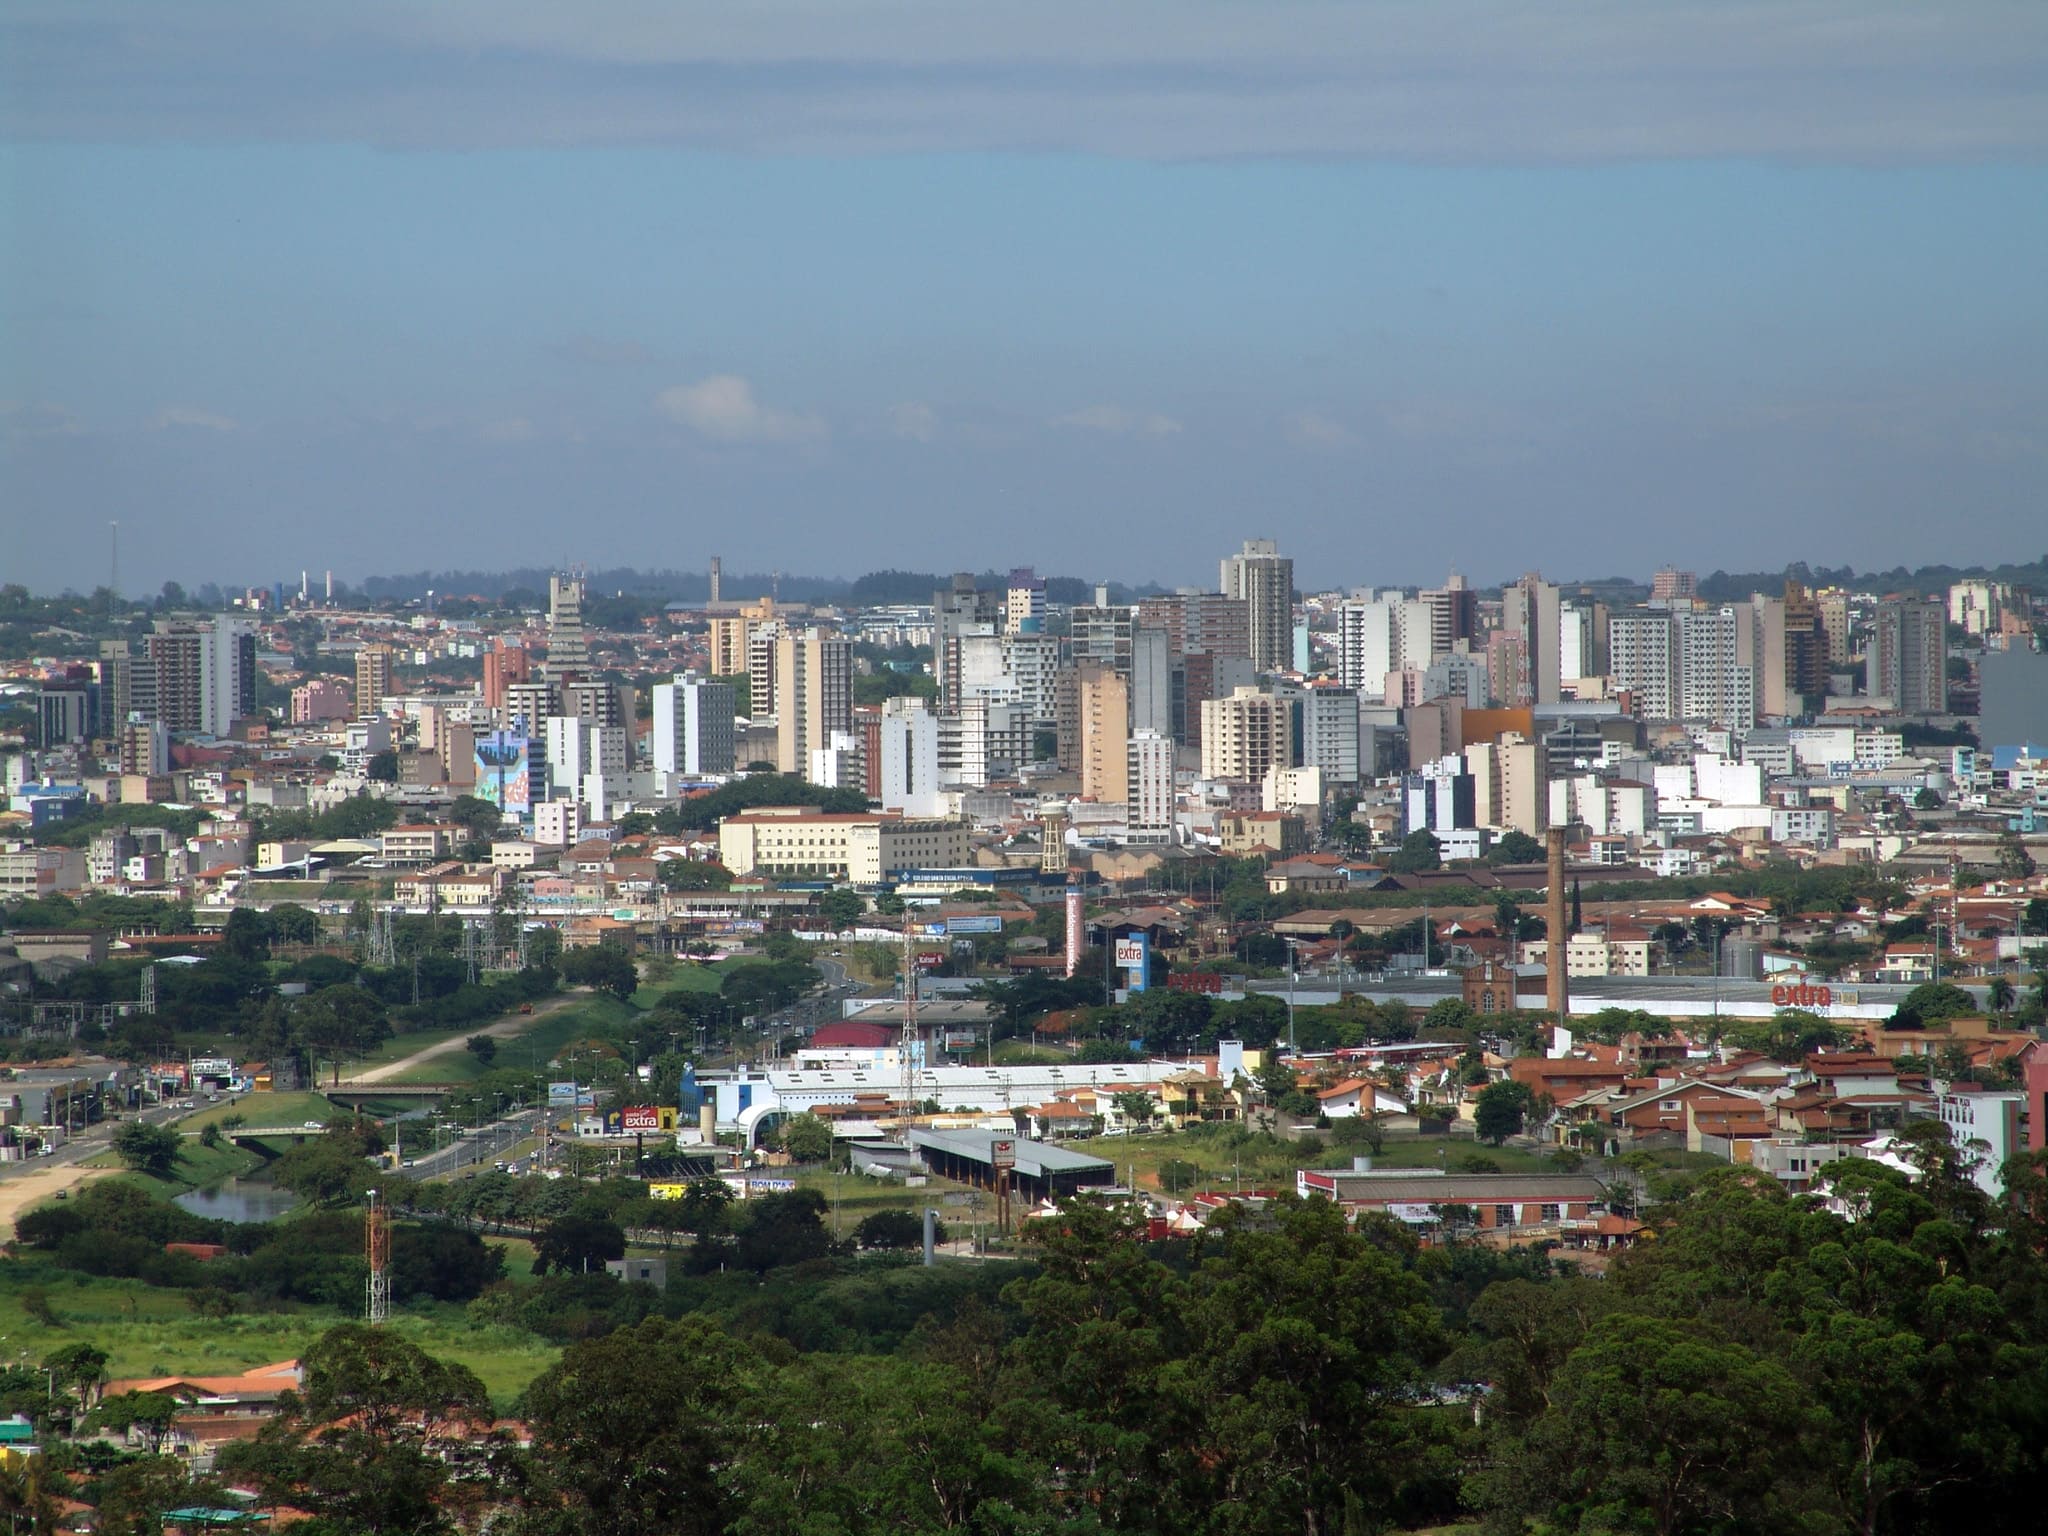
239,1200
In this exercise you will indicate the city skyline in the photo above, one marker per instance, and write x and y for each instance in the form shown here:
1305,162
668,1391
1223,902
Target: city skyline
1725,287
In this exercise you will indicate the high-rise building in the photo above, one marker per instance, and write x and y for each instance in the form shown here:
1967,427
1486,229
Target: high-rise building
1148,781
908,756
531,702
1714,684
373,679
1453,616
956,611
1975,607
1909,655
116,672
1105,710
693,726
1151,680
568,648
1529,608
505,663
1581,640
1246,734
1099,635
1511,783
1835,624
1642,658
1671,585
1806,651
760,668
1264,579
1327,737
1200,622
145,746
1381,634
205,673
1024,600
599,703
813,693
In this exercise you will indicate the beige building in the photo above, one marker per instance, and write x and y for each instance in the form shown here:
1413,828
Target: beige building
1510,784
453,885
1246,735
373,680
1105,703
813,695
862,849
422,843
1593,954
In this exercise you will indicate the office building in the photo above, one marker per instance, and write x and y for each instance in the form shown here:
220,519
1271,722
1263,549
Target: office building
693,726
1909,655
1264,578
863,849
1246,734
373,679
116,673
1439,796
66,712
907,752
813,693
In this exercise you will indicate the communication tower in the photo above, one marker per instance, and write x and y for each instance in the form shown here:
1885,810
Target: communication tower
377,1247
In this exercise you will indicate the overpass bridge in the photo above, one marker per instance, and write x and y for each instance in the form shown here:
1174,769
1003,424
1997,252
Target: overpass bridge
356,1092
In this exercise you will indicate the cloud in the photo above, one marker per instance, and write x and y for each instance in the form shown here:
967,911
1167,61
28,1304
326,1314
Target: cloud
21,420
723,408
1312,430
915,420
1115,421
192,419
1430,80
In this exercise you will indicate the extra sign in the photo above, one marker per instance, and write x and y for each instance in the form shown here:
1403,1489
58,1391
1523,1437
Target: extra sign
1801,994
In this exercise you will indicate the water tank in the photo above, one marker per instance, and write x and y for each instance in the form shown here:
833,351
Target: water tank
1743,959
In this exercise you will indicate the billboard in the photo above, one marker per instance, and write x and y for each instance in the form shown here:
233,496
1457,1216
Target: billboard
1210,982
503,772
668,1190
958,925
643,1117
1133,955
568,1095
1002,1155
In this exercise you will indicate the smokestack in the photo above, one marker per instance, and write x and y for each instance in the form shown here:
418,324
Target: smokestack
1554,922
1074,924
717,578
330,586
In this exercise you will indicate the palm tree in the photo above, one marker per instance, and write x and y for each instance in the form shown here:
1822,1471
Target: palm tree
2001,994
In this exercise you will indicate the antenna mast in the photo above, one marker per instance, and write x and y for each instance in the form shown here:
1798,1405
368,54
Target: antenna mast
909,1020
377,1247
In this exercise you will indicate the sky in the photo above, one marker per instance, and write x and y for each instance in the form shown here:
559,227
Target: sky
829,286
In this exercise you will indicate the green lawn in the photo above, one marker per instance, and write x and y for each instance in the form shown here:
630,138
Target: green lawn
197,1167
264,1109
532,1049
688,976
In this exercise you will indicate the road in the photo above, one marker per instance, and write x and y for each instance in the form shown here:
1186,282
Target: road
504,1029
31,1182
487,1143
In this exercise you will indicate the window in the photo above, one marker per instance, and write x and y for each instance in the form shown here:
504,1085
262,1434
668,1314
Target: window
1552,1212
1503,1215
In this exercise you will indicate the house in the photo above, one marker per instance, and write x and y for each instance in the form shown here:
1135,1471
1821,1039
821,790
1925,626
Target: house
1496,1201
1354,1096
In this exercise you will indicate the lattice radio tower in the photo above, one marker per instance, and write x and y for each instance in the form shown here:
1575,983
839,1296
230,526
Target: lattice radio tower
909,1021
377,1247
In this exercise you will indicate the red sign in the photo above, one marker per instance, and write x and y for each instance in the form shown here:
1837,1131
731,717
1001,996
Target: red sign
1194,981
1802,995
640,1117
1002,1155
927,959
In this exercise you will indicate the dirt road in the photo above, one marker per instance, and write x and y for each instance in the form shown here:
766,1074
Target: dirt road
29,1189
504,1029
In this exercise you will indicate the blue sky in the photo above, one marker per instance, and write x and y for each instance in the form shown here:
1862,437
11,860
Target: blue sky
369,289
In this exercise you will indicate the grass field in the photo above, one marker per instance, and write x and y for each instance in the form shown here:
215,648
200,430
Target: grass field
150,1332
686,977
1268,1163
531,1050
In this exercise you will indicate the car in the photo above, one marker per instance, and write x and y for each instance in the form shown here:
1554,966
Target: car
409,1163
63,1194
313,1125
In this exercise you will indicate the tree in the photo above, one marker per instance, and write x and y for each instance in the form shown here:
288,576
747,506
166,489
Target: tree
1135,1106
840,907
1418,854
574,1245
1501,1109
631,1432
80,1367
693,875
484,1048
895,1228
150,1149
363,1440
807,1138
1930,1003
1790,1035
603,968
2002,994
1515,847
1927,800
2014,862
339,1022
150,1413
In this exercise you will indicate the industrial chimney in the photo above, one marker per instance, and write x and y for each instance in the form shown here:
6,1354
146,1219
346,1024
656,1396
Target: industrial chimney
1556,939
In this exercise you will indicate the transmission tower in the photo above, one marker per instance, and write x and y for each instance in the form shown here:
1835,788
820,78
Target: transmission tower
377,1247
147,1002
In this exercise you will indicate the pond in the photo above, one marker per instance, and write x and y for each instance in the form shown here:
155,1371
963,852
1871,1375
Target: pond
239,1200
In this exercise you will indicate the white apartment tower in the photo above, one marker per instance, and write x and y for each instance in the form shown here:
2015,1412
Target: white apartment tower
1264,579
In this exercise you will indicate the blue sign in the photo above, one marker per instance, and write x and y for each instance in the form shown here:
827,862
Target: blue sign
974,925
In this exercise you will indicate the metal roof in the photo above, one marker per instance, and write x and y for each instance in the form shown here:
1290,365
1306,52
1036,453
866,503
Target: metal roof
1035,1159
